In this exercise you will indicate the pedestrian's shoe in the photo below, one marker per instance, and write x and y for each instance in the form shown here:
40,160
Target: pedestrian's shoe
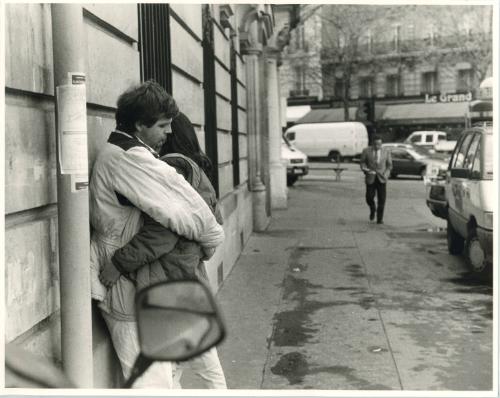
380,222
372,214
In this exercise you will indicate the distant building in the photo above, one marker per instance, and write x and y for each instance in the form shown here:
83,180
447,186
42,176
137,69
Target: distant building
300,73
421,55
412,58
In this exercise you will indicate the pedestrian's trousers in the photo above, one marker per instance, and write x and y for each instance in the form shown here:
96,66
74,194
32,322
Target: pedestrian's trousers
126,342
380,189
207,366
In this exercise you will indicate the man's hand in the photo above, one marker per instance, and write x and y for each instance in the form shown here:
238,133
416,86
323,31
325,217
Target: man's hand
109,275
208,253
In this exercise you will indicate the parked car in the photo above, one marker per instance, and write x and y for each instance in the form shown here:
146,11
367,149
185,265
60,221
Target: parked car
436,197
470,194
410,160
426,138
337,141
296,162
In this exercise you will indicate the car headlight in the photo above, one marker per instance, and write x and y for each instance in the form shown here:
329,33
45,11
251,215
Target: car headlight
488,219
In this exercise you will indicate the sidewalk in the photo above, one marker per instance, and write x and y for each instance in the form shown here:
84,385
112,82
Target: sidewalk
303,302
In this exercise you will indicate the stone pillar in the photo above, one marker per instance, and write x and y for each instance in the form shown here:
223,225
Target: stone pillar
277,170
260,217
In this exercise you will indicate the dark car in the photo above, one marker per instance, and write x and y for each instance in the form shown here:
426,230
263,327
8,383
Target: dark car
407,160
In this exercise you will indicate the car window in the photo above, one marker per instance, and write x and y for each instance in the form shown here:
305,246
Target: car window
290,136
471,153
460,156
428,138
442,137
476,166
397,153
415,138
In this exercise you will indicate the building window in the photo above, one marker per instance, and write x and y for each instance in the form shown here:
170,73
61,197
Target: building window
429,83
397,38
366,87
339,88
393,86
154,42
464,80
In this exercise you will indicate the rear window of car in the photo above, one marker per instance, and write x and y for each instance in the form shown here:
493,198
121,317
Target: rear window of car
428,138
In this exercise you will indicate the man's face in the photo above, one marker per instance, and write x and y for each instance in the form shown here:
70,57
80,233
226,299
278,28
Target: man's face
156,135
377,144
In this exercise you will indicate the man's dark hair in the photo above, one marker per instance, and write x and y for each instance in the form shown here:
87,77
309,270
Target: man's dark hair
145,103
377,137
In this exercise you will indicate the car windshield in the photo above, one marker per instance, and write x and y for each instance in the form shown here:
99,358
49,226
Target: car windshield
488,156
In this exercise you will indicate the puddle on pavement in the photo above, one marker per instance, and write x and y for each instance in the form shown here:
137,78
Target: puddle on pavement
295,367
471,284
355,270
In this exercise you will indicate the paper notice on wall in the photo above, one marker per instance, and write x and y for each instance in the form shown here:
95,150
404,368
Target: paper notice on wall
72,129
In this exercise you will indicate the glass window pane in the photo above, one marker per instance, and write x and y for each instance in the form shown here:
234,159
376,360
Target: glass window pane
460,158
428,138
471,153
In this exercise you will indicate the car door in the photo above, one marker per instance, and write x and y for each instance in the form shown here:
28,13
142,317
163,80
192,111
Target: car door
397,160
471,184
458,177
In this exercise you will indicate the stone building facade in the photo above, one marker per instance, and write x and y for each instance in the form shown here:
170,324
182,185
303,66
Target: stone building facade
301,73
211,60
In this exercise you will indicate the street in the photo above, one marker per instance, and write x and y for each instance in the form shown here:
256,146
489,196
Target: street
326,300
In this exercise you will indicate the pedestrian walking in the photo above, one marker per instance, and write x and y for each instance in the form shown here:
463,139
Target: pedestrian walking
129,179
376,163
155,253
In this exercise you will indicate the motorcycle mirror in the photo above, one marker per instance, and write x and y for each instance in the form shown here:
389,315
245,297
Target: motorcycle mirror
176,320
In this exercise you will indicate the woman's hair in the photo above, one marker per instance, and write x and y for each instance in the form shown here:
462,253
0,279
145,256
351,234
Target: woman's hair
183,140
145,103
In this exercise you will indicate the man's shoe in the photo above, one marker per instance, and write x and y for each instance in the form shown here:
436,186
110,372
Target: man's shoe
372,215
380,222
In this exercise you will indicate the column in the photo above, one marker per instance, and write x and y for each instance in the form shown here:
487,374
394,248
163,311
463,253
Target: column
260,218
277,170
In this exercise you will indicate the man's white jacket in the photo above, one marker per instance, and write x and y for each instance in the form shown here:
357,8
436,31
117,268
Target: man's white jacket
128,179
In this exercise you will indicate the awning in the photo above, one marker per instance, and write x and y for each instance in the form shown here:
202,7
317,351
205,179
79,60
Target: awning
293,113
408,114
327,115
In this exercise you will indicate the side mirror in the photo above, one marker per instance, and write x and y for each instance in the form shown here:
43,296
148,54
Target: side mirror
176,321
460,173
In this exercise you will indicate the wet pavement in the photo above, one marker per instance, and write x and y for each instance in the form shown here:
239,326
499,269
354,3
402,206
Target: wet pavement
326,300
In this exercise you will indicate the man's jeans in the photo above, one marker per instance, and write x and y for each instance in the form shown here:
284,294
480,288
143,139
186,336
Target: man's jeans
207,366
380,189
126,342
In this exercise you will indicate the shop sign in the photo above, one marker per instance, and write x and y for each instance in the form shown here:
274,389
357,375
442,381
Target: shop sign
432,99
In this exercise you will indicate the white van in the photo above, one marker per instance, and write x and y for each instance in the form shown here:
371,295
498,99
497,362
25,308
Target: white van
427,139
337,141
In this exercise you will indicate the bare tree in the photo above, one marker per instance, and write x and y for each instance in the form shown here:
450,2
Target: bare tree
355,36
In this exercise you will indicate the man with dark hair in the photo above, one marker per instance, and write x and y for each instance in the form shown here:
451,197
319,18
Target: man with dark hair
127,179
376,163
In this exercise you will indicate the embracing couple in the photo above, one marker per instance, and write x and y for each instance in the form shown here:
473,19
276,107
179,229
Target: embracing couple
154,217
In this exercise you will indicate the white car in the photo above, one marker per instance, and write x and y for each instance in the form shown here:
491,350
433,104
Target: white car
470,193
426,138
296,162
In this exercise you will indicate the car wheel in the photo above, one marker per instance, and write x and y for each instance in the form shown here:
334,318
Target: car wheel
290,180
455,241
476,257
